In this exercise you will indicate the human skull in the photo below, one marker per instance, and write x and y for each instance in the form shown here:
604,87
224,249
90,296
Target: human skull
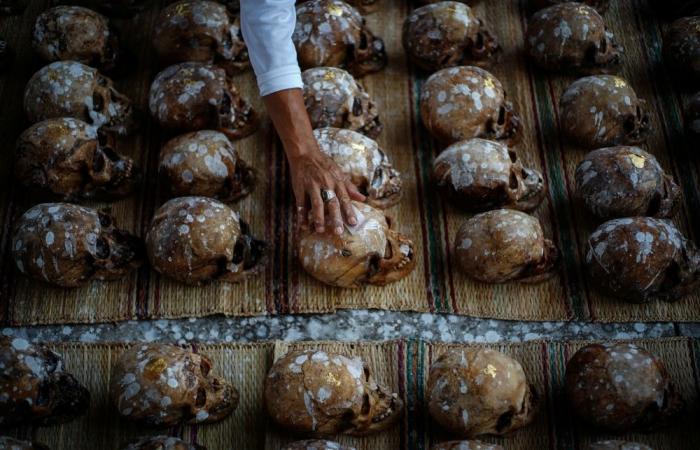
205,163
65,157
624,182
504,245
620,387
364,162
194,96
447,34
603,110
692,115
461,103
316,444
333,33
8,443
572,36
640,259
7,56
69,245
334,99
165,385
117,8
35,389
71,89
162,443
618,445
319,393
682,48
368,253
600,5
74,33
199,239
478,175
204,31
473,392
466,445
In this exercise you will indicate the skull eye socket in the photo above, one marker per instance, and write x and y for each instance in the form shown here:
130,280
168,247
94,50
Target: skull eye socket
101,81
504,421
204,367
201,398
513,156
98,162
105,220
97,102
238,252
225,106
367,374
356,107
630,124
479,43
501,115
102,248
363,42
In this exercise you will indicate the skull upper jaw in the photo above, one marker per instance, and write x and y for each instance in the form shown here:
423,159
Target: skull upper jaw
222,400
505,127
533,190
397,262
386,410
367,56
249,258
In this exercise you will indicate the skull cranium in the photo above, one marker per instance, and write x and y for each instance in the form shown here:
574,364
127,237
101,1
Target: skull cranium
320,393
70,245
478,174
65,157
465,102
334,99
71,89
371,253
364,162
166,385
333,33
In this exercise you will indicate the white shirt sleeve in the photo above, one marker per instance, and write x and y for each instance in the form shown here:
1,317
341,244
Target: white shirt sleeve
267,27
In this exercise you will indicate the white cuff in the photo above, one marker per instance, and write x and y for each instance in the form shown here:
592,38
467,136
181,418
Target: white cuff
279,79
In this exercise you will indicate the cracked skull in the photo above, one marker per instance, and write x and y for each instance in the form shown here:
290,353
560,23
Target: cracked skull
620,387
199,239
368,253
204,31
77,34
603,110
165,385
364,162
35,389
474,392
504,245
641,259
194,96
572,36
69,245
618,445
625,182
71,89
333,33
320,393
447,34
65,157
316,444
205,163
466,445
478,175
334,99
682,48
467,102
162,443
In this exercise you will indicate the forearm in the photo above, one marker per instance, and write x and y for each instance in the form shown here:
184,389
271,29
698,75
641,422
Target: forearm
288,114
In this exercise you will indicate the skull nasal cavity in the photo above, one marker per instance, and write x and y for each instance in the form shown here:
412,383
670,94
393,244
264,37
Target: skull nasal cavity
238,252
365,404
97,102
513,181
201,399
501,115
205,367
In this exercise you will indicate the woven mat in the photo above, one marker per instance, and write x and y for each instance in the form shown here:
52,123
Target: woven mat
401,365
435,285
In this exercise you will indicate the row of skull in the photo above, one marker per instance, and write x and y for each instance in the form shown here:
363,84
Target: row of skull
470,392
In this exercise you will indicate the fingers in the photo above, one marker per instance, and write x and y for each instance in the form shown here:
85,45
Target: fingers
346,205
354,193
317,208
334,216
300,206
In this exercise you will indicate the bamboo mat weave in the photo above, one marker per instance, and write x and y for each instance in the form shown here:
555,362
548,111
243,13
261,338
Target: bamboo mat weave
435,285
401,365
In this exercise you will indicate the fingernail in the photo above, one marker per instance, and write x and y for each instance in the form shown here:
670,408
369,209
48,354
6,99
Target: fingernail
352,221
339,230
320,229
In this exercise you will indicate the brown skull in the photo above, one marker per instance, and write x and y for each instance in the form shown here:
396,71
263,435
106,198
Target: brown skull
572,36
204,31
71,89
505,245
69,245
162,443
447,34
364,162
473,392
466,102
478,175
165,385
333,33
625,182
75,33
8,443
319,393
194,96
205,163
600,5
682,48
692,115
618,445
603,110
199,239
316,444
368,253
641,259
65,157
620,387
466,445
334,99
35,389
117,8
